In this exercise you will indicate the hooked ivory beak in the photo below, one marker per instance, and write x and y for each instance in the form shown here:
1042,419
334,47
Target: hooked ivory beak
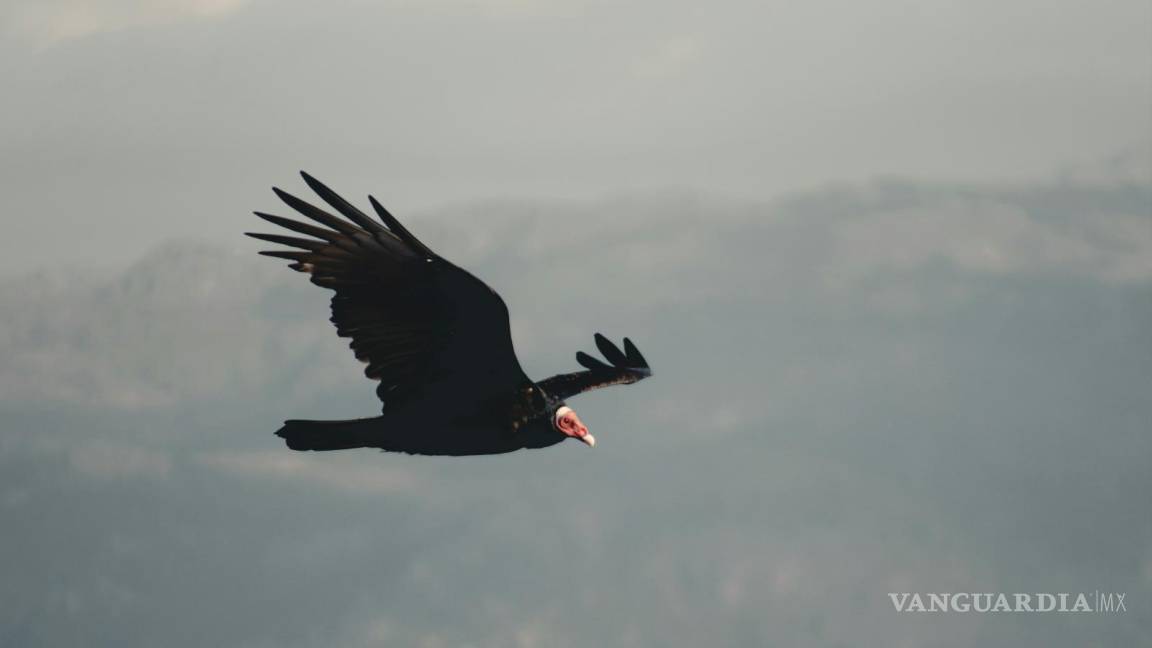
568,423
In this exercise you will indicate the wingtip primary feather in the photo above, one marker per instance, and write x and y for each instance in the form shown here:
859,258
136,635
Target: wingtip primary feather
293,241
350,211
314,213
400,231
296,226
588,362
381,211
635,358
297,256
610,351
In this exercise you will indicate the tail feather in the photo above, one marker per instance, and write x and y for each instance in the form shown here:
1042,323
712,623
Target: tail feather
328,435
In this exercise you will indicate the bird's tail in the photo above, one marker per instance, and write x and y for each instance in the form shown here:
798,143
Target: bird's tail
328,435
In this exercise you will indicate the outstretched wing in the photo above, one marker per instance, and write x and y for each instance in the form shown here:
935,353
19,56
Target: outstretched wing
419,322
623,367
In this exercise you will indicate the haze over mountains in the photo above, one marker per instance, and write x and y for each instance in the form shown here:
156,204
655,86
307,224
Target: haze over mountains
935,384
894,386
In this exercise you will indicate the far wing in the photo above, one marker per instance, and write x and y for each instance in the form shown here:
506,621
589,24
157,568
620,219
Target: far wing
417,321
623,367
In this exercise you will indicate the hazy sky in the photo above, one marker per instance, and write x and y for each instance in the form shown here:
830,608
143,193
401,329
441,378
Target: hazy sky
126,122
897,387
891,263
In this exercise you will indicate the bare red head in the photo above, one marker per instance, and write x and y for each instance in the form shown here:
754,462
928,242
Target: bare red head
566,422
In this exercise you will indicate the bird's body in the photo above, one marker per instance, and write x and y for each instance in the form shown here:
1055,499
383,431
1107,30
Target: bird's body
494,427
438,340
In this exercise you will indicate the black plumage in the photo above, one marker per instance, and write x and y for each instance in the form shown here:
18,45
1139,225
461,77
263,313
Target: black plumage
436,337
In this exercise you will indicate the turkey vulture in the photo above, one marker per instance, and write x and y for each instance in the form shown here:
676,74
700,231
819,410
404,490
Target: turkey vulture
437,339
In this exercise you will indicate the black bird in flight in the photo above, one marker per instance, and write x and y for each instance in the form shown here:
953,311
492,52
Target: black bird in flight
437,339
